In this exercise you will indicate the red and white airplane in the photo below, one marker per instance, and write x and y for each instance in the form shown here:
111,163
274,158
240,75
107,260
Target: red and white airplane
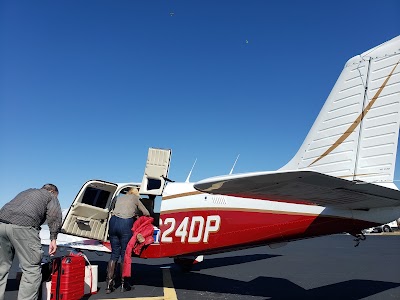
340,180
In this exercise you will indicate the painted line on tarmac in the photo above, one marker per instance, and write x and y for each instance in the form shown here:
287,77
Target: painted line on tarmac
169,290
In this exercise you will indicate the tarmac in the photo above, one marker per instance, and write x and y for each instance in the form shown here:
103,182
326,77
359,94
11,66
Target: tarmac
320,268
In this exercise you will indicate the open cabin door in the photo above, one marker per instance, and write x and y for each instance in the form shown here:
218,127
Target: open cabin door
89,213
156,171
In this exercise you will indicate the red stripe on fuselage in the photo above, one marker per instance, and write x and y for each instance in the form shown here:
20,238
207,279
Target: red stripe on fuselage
241,228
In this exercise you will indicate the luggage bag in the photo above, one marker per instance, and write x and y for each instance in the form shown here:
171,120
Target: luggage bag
68,278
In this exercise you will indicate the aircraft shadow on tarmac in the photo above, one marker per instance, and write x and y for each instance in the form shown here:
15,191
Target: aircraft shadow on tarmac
229,260
206,264
269,287
279,288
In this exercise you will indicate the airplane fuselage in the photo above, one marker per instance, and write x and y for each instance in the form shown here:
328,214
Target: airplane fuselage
193,222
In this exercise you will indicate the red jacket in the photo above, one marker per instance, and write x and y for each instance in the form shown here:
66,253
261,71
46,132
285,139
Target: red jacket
144,226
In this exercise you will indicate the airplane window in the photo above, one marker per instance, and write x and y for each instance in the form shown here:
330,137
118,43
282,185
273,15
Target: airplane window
153,184
96,197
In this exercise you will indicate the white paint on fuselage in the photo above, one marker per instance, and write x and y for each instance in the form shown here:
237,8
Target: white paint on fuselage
207,201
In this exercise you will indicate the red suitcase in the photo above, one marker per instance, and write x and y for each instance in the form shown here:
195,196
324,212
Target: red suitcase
68,278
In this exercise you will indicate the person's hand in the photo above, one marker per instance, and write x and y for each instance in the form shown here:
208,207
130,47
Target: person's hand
52,247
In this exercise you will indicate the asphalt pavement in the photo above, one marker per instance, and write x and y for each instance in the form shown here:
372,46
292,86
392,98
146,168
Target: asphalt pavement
319,268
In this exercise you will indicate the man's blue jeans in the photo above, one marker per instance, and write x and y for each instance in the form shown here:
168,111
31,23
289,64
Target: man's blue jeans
120,234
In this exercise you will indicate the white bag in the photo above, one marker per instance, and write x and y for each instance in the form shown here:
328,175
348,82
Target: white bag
46,290
91,276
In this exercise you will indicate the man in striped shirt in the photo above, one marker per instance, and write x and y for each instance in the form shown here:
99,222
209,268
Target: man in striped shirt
20,221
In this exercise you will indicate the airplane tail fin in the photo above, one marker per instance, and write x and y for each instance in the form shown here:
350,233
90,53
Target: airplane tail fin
355,135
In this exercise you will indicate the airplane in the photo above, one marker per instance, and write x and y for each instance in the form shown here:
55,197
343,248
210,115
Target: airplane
339,181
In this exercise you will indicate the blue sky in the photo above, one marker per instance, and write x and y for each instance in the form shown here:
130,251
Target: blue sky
86,87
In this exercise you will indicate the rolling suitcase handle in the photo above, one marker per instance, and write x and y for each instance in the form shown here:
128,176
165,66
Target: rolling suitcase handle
56,268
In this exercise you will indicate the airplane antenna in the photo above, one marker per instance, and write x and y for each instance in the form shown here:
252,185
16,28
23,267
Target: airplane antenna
190,173
230,173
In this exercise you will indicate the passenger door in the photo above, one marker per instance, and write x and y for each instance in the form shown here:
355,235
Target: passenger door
156,171
89,213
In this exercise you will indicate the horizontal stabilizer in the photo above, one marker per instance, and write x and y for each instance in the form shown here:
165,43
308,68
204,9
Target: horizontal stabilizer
305,187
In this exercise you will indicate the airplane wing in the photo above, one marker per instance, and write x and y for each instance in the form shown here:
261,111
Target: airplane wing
70,241
304,187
